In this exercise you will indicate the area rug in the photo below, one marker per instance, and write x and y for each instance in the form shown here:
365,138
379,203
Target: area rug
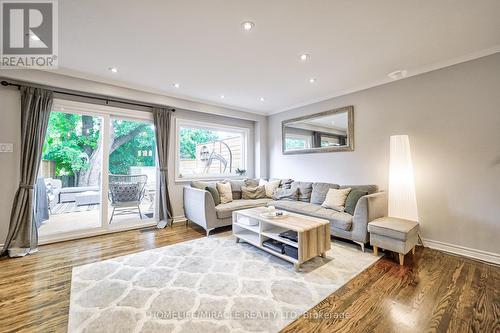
206,285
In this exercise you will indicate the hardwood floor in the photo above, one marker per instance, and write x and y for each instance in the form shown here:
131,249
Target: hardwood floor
433,292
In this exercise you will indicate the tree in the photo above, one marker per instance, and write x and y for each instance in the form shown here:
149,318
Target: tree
74,142
190,137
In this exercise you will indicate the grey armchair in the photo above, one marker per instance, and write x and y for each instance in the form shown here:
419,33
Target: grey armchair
126,193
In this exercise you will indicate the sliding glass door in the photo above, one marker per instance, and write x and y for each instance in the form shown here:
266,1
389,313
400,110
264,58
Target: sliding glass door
132,171
98,171
68,189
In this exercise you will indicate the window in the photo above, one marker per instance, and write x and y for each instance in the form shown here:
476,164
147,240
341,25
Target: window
297,141
209,150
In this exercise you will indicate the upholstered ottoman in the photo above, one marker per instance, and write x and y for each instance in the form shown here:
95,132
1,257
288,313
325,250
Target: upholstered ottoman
393,234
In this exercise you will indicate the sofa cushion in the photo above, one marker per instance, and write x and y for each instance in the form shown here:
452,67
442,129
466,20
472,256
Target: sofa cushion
335,199
286,194
305,189
285,183
339,220
319,191
368,188
270,186
392,227
215,194
224,189
225,210
258,192
251,182
352,200
235,187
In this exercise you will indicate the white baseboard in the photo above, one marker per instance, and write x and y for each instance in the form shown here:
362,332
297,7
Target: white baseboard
490,257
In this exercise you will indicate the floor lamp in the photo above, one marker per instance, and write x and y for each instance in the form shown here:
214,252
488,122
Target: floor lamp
402,198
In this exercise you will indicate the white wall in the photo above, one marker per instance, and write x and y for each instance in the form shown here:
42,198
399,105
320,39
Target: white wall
10,123
10,129
452,116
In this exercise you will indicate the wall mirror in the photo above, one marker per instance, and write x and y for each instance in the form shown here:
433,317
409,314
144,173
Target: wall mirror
327,131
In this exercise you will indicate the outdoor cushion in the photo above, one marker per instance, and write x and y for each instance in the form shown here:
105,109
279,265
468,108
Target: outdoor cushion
305,189
337,219
319,191
393,227
368,188
225,210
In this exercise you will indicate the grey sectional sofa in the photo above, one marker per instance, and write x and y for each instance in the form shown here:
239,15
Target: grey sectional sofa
200,208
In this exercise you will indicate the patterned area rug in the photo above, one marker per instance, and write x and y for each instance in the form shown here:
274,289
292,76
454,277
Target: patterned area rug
206,285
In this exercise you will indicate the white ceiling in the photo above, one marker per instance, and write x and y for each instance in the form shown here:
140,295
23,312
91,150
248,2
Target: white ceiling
201,45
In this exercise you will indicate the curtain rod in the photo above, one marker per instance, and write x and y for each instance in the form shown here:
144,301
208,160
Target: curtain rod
82,94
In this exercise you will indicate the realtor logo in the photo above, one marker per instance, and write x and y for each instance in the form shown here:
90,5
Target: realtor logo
29,34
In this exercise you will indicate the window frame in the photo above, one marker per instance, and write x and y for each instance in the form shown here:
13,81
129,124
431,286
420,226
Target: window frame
182,122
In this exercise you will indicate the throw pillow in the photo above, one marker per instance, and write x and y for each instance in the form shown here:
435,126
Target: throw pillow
270,186
199,185
225,192
258,192
215,194
286,194
251,182
335,199
352,200
305,189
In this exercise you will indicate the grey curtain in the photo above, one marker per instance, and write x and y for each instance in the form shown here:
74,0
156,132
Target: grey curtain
22,237
162,120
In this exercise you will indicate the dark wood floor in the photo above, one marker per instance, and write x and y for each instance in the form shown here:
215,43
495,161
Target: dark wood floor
433,292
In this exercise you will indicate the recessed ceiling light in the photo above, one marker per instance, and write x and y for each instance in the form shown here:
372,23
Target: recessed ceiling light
312,80
304,57
399,74
113,69
177,85
247,25
262,99
222,96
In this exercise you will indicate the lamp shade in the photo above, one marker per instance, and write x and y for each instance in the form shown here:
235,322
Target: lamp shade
402,198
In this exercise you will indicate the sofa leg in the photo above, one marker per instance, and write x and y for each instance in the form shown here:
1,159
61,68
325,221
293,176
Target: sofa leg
413,250
361,244
208,231
375,250
401,259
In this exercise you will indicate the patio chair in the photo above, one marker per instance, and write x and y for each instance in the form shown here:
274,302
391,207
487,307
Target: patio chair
126,193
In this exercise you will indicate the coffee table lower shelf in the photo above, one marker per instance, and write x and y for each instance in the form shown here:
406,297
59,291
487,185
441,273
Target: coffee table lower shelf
312,242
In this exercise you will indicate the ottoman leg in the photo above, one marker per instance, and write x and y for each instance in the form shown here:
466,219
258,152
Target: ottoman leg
401,259
375,250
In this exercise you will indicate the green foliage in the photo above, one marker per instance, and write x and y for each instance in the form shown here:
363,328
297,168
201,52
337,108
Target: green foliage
138,151
190,137
64,142
72,139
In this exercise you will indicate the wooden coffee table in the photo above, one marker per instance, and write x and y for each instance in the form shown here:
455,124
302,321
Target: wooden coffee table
313,233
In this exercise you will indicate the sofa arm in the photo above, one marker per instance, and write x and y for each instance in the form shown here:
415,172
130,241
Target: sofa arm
368,208
199,207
